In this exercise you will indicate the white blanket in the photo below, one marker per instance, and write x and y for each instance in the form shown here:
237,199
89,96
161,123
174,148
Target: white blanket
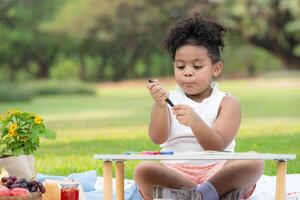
265,189
266,186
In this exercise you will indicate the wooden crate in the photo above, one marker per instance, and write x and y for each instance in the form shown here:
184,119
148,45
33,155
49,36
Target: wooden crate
32,196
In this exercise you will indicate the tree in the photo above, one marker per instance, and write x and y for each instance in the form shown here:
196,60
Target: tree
110,30
22,40
273,25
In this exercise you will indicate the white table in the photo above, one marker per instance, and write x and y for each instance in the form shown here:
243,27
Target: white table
119,159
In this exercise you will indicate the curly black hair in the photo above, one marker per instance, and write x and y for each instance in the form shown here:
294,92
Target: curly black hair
198,31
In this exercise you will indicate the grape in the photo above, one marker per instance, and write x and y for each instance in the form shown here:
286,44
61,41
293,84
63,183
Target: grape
23,185
22,180
33,189
33,183
13,178
29,184
4,179
41,187
15,185
9,181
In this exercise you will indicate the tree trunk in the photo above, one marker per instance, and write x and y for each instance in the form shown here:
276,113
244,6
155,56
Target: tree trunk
290,61
82,67
117,76
13,68
101,68
131,66
43,72
287,58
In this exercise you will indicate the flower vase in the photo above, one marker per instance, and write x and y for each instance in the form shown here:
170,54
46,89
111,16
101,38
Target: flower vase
19,166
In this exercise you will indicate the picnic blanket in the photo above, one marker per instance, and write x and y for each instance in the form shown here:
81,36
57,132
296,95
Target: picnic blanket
93,186
265,189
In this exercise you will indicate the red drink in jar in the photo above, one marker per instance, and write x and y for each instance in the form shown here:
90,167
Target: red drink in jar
69,191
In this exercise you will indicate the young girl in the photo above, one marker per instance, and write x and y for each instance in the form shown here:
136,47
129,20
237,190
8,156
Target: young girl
203,118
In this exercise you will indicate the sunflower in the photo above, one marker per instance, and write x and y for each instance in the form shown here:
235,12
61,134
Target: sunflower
38,120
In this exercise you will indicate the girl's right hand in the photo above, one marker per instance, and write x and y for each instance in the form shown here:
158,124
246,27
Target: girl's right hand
158,93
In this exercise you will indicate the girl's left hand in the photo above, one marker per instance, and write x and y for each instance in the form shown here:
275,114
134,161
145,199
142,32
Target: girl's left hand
185,115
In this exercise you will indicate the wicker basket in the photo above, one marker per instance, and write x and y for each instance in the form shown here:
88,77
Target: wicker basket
32,196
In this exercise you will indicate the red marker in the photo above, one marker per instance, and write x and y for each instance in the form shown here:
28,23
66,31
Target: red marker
150,152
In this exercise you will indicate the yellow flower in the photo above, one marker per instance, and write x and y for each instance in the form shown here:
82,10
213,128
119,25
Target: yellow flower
13,126
13,112
38,120
12,133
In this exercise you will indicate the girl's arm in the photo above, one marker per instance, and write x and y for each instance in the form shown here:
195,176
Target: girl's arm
160,117
222,132
160,124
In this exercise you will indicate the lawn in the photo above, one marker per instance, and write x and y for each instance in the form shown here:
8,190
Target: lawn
115,121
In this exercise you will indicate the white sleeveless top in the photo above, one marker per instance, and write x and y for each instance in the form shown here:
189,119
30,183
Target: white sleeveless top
181,138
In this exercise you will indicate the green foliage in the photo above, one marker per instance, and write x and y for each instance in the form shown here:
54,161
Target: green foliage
65,69
297,50
21,132
53,87
245,60
121,39
269,24
22,41
114,34
15,92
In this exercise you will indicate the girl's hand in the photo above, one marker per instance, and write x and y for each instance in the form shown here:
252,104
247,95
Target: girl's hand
158,93
185,115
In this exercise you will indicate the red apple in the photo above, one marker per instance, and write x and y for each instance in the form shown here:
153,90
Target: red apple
19,192
4,191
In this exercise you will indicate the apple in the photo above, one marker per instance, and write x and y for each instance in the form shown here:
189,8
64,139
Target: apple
19,192
4,191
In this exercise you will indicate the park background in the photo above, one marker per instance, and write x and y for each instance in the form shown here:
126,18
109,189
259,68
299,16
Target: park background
83,65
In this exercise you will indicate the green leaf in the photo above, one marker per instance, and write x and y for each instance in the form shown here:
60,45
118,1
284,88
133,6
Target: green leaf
51,135
35,140
18,151
5,130
14,144
35,132
6,151
5,140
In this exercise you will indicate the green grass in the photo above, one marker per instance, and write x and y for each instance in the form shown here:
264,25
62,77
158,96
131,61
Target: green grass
115,120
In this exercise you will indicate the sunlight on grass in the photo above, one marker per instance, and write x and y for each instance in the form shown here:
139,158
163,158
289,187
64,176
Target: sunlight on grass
87,115
269,126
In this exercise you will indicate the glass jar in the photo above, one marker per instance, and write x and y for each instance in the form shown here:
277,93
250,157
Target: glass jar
69,191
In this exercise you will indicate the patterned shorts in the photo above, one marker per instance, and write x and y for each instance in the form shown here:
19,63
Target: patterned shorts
200,174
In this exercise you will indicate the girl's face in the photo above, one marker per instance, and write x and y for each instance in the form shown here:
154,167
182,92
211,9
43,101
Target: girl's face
194,71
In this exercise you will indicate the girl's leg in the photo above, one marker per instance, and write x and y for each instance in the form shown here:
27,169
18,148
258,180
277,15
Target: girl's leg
237,174
148,174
